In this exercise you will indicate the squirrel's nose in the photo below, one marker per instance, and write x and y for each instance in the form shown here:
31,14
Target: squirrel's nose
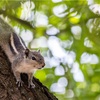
43,65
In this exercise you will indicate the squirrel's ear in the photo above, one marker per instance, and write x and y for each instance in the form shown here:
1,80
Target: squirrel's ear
38,51
27,52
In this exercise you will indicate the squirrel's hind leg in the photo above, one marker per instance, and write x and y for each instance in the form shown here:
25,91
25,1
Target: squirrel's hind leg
19,82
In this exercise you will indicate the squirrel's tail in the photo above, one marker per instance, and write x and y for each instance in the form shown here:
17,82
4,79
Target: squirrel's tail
5,31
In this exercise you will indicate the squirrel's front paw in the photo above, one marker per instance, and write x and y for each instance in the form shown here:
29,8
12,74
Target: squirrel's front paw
31,85
19,83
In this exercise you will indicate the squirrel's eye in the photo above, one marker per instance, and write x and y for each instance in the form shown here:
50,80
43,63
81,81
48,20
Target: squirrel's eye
33,58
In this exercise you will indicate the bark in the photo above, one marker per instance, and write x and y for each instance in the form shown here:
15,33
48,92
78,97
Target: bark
10,91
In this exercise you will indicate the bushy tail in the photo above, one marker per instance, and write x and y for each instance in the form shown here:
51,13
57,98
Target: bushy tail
5,31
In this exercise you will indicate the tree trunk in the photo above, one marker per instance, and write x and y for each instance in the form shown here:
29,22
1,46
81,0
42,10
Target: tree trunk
8,88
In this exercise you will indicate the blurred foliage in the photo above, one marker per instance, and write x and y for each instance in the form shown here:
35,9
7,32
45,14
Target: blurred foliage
78,25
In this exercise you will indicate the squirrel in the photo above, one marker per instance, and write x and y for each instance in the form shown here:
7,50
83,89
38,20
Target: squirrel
21,58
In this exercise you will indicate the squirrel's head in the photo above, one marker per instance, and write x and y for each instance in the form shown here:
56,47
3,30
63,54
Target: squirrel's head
34,58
